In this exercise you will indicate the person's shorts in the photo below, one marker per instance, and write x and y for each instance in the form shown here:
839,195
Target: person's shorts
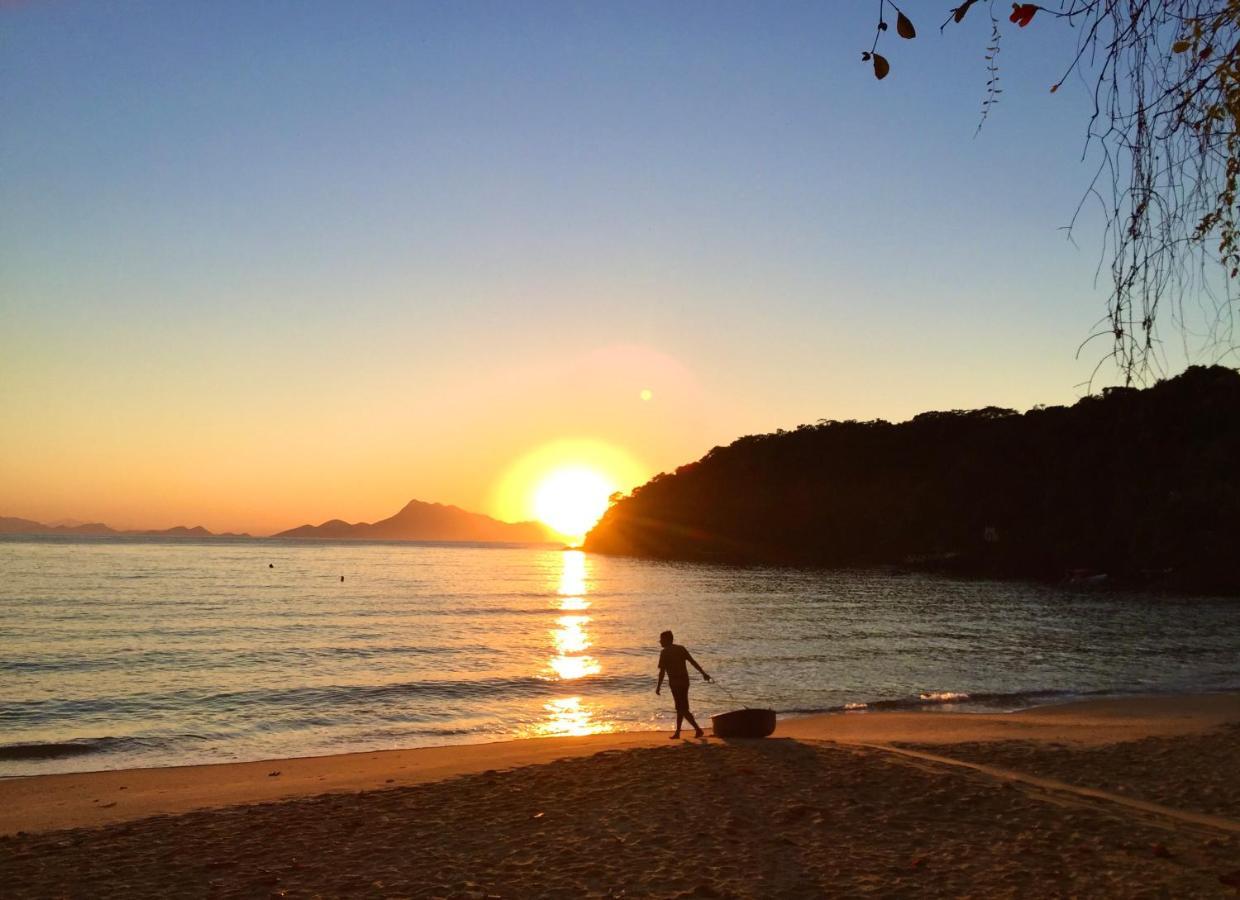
680,693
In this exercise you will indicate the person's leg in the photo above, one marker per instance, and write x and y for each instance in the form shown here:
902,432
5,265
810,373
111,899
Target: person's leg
697,731
680,694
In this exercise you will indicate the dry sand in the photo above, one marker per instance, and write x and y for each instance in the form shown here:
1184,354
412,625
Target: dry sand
1115,798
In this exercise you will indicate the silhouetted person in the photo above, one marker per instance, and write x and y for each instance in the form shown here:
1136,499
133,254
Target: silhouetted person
672,662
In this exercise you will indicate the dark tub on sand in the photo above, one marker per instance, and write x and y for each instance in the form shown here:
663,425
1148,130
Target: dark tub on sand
744,723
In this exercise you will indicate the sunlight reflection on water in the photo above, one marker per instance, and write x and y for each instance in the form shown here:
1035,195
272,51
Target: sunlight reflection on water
571,716
175,652
571,640
571,637
573,574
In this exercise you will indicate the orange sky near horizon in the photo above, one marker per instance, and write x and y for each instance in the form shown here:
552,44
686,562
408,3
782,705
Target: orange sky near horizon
264,455
272,457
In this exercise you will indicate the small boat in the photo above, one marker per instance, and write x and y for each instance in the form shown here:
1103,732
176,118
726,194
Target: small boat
744,723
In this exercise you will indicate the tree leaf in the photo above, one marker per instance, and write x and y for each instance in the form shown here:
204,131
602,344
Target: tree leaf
1180,46
881,67
1023,13
905,28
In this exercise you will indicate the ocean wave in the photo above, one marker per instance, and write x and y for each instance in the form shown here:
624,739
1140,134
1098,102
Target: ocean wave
216,659
77,747
334,698
942,696
974,701
448,689
472,611
46,751
398,733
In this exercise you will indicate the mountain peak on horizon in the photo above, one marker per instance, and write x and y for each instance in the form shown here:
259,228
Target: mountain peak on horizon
422,520
423,504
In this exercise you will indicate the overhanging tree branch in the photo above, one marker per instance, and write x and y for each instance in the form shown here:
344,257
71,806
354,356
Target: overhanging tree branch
1164,77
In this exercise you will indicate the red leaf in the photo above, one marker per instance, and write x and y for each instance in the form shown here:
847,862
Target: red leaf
1022,13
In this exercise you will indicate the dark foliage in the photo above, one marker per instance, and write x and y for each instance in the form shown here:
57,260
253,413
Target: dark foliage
1140,484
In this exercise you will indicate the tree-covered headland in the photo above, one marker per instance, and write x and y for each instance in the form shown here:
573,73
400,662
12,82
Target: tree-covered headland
1142,485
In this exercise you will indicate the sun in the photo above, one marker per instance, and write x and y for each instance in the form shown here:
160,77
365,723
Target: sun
572,499
566,485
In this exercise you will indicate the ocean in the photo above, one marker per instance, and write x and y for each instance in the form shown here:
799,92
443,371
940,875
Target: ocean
124,652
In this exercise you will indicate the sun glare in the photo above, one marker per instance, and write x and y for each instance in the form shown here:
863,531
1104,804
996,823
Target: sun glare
566,485
571,500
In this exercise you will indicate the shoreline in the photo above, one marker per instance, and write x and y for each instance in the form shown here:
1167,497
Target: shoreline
933,703
1101,798
37,803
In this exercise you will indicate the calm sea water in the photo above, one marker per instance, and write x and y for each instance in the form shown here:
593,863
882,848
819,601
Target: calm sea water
135,652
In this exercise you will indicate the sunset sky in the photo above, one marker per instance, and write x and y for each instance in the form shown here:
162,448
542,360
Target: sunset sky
266,264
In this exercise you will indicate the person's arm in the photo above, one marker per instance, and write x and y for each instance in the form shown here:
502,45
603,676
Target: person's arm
658,688
689,656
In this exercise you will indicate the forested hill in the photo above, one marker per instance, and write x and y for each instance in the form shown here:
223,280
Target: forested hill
1139,484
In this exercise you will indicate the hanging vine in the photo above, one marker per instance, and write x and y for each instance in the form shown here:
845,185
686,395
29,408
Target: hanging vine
1164,80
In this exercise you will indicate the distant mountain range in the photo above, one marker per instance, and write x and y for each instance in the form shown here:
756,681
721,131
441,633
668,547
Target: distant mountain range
14,525
420,521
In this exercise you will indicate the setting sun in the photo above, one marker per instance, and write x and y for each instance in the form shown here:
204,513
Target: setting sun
572,499
566,485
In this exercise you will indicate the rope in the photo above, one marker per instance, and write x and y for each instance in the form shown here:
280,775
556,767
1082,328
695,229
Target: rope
731,696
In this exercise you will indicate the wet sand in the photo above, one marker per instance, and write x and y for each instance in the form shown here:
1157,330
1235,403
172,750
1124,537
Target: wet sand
1133,797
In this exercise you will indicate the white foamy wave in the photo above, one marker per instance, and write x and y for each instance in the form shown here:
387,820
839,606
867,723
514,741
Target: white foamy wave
942,696
848,706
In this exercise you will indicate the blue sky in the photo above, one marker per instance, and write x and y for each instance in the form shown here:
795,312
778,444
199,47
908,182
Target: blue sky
226,224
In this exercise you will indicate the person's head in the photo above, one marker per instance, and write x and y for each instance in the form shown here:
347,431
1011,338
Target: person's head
666,639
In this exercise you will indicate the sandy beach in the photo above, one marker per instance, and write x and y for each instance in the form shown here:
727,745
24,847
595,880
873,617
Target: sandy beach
1126,797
